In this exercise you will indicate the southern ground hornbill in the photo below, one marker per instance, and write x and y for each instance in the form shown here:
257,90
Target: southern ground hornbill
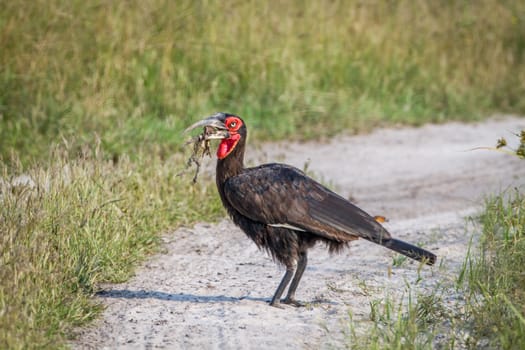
286,212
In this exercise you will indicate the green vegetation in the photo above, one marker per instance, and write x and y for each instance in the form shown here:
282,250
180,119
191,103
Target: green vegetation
495,299
486,303
496,302
94,95
136,72
396,325
518,151
78,223
484,308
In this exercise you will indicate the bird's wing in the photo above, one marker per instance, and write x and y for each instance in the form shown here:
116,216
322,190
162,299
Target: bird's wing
282,195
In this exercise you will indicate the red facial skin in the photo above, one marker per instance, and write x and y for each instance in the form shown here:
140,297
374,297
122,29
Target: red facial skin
227,145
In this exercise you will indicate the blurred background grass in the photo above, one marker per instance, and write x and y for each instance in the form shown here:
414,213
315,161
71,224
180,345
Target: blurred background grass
94,96
136,72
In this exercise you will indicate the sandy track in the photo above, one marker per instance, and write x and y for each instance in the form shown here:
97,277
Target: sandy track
210,288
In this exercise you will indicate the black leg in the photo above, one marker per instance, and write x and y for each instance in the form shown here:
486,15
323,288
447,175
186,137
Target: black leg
301,266
276,300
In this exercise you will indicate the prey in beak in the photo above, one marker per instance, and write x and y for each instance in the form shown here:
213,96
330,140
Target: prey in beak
214,128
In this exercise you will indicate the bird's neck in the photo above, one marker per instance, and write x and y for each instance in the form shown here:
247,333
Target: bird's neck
230,166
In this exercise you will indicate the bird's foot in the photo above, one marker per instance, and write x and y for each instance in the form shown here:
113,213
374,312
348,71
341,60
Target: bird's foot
293,302
288,301
276,304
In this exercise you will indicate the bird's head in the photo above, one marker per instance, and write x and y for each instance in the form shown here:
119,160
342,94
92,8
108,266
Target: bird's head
228,128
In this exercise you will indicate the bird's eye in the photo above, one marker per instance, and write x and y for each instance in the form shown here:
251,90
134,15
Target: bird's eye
233,124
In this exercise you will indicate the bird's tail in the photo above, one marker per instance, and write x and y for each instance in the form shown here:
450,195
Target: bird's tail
410,250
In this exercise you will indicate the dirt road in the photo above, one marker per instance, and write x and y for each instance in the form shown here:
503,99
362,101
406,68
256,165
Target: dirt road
211,287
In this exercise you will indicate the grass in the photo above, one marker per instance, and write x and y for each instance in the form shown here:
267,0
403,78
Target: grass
484,308
399,325
77,223
135,73
94,95
495,277
496,284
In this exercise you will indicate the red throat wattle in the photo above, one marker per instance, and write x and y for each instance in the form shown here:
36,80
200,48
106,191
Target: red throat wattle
227,145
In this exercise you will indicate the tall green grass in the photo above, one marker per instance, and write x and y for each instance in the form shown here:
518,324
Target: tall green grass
77,223
399,325
496,302
495,277
136,72
483,309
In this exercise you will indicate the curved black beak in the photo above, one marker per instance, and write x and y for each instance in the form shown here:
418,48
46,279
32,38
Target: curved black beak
214,128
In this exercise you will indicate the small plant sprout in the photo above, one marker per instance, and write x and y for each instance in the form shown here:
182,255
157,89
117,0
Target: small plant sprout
503,146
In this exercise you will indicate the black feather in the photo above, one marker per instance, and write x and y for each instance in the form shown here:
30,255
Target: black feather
410,250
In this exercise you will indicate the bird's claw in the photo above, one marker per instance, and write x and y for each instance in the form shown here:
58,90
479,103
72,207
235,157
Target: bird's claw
277,305
293,302
288,301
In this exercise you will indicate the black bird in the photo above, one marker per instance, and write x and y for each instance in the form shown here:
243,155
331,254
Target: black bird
286,212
